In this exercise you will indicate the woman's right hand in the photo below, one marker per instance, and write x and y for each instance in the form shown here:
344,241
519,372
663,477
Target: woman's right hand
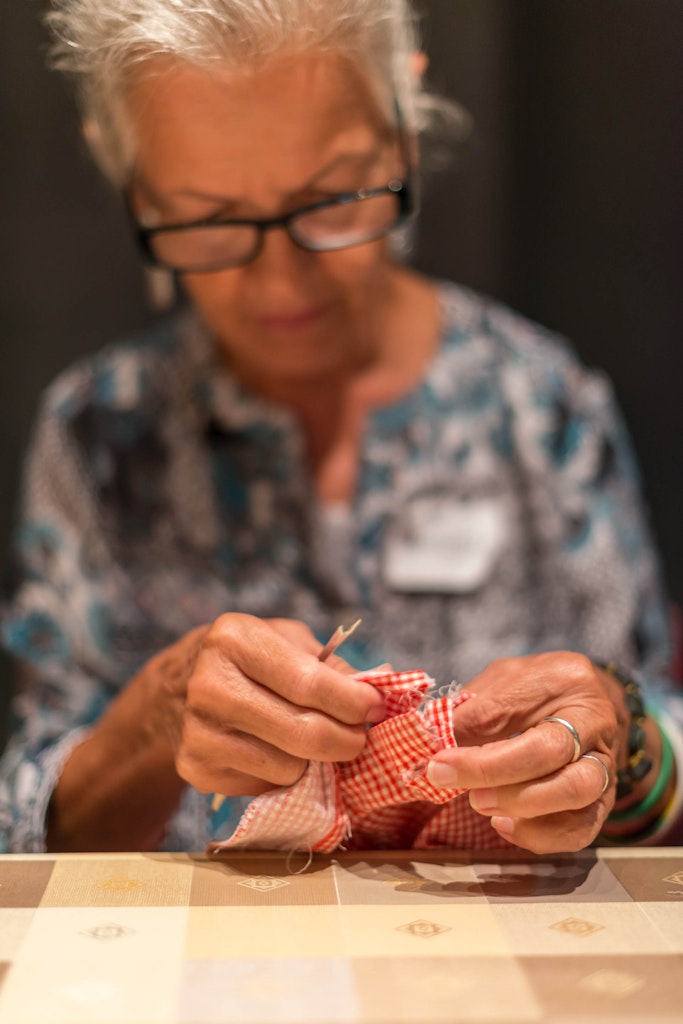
236,707
259,706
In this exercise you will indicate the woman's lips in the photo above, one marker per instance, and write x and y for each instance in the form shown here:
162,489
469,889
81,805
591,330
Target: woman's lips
297,321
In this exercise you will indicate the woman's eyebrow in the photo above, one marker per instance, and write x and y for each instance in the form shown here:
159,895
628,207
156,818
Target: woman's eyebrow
361,160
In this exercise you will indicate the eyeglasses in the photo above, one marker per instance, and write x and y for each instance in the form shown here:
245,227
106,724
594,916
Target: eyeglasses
348,219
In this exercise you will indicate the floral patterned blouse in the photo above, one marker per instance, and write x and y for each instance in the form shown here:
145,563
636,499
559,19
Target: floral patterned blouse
496,513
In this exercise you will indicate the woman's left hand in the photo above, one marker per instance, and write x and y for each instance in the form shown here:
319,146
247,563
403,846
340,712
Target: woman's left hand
519,768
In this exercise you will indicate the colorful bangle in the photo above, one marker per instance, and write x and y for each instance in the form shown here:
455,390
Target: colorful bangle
652,798
639,764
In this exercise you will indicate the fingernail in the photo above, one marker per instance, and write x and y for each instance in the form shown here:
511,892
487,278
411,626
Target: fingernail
441,774
376,715
504,826
483,799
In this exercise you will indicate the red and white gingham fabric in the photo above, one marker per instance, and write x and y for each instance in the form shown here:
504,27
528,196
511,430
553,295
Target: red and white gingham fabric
380,800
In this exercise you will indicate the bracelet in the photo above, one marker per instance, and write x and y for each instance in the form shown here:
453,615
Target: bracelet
643,834
639,764
652,798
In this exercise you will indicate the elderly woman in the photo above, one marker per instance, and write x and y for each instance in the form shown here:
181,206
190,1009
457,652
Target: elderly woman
321,435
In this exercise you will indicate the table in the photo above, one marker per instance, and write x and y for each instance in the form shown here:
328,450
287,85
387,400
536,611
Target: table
417,937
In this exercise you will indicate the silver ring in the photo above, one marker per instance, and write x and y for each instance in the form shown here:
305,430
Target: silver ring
572,732
594,757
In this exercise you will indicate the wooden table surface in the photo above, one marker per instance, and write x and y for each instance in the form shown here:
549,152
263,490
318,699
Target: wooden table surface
417,937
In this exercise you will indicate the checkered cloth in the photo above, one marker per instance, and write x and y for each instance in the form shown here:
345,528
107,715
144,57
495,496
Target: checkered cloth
382,799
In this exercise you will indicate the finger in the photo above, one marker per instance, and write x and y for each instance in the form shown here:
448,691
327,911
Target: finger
533,754
301,636
297,633
239,784
248,644
572,788
565,832
246,707
339,665
212,761
515,694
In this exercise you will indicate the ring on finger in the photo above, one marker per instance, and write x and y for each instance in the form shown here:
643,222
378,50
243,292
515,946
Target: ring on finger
576,740
594,757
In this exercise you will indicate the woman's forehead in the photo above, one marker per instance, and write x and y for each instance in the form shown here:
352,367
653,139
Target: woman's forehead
301,113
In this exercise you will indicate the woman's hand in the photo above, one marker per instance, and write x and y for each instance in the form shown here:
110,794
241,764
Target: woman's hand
259,705
518,768
236,707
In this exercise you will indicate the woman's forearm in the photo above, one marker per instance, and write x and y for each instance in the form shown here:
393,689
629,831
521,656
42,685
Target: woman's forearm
119,787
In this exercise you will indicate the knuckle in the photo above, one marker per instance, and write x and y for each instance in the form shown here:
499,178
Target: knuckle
575,842
301,735
487,772
308,684
557,744
581,829
578,785
489,719
320,740
535,844
231,633
191,772
576,666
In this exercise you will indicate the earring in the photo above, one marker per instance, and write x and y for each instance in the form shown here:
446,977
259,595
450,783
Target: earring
161,290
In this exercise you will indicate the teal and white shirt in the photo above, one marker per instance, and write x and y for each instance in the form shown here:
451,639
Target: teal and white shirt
496,513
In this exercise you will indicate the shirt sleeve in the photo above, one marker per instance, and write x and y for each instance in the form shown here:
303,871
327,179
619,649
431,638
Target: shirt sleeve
597,562
597,555
50,626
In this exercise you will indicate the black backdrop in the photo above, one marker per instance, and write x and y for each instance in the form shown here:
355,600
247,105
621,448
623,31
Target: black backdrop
566,203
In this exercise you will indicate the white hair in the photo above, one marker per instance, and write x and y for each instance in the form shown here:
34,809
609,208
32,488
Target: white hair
101,42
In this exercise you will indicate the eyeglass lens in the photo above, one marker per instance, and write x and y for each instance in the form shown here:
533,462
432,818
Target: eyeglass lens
336,225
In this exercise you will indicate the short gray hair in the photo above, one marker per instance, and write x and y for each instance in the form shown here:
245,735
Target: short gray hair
101,42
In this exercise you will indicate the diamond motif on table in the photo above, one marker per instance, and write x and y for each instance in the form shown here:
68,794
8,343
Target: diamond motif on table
612,983
576,926
108,931
423,929
676,878
119,884
263,883
406,883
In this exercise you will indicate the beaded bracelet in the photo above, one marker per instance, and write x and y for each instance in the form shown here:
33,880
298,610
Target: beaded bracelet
639,764
652,798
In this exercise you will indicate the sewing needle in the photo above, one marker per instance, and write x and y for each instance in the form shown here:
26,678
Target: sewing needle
340,634
338,637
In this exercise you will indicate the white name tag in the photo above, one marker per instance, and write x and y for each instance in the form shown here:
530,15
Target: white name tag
442,544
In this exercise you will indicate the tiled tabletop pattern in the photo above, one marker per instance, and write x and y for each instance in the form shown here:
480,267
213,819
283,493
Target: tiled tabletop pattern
373,938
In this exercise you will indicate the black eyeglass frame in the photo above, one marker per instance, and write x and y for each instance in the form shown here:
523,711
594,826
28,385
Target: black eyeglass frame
398,187
401,188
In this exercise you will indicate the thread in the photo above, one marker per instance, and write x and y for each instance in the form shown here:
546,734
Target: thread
300,871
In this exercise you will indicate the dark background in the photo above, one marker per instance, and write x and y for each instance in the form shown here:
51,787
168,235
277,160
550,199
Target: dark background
566,203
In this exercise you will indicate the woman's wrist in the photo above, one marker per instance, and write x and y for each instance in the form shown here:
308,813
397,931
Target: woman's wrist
637,814
119,787
646,782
